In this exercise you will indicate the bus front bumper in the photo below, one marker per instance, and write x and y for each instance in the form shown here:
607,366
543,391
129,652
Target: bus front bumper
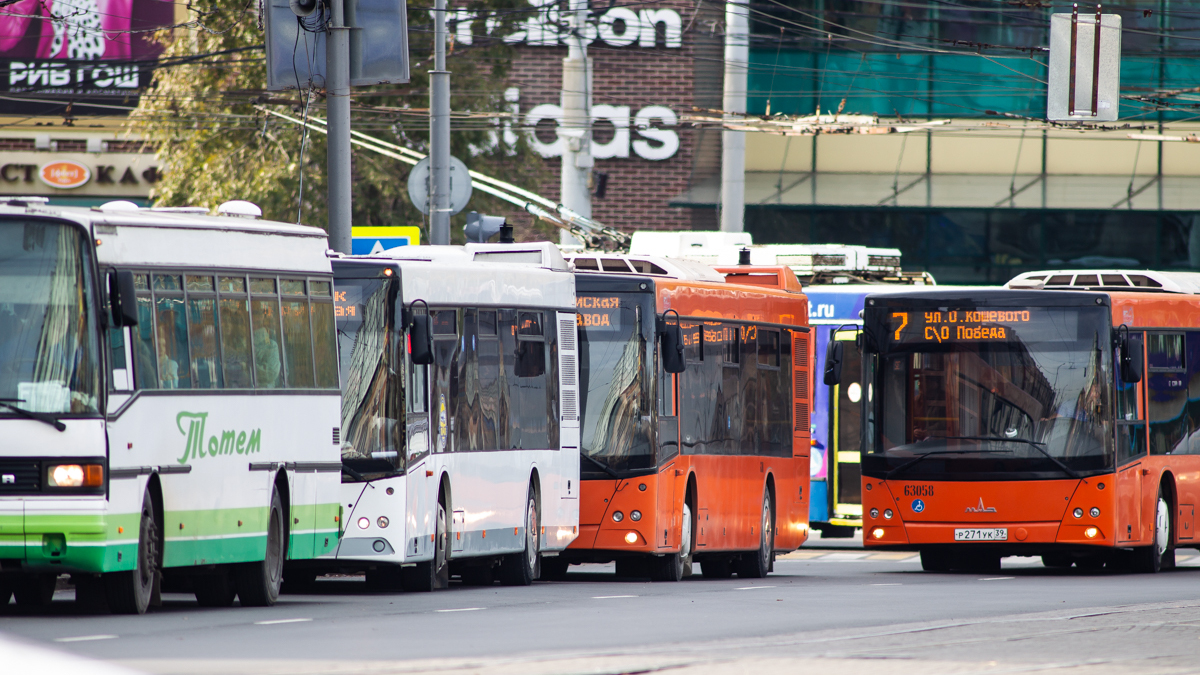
66,535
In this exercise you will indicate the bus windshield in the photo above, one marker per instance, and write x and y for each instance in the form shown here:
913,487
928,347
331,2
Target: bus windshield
992,395
48,338
372,392
613,381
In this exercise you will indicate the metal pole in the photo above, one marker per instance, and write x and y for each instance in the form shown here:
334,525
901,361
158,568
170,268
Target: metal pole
439,133
733,143
576,126
337,89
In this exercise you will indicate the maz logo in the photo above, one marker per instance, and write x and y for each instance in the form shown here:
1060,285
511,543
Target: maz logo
981,508
8,479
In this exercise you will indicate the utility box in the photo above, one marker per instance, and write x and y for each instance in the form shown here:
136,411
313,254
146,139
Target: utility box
296,43
1085,67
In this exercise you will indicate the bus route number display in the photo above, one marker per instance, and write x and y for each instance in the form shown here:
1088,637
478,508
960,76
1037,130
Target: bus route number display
347,302
599,313
957,325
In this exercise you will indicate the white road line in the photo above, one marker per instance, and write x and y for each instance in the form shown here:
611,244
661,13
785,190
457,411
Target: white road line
86,638
278,621
751,588
611,597
886,584
997,578
844,556
461,609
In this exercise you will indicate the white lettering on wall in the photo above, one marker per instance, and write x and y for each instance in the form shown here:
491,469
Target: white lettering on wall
616,27
655,144
668,141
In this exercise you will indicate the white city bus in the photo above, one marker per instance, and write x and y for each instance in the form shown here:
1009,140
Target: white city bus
460,429
169,402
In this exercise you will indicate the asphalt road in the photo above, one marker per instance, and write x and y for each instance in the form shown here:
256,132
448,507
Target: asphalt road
824,610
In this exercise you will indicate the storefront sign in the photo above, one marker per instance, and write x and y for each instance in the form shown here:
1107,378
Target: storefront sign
65,174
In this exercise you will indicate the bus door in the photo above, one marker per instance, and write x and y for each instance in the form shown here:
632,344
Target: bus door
667,441
844,457
1131,450
418,525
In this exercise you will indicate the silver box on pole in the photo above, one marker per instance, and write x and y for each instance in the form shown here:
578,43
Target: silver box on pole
378,44
1094,73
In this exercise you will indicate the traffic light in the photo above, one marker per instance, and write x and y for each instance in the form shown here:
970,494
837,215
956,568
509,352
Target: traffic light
480,228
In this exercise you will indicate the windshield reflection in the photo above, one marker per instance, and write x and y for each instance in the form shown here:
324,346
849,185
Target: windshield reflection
981,409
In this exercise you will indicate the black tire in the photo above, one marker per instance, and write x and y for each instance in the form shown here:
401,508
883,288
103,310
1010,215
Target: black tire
214,590
478,575
520,569
935,560
432,574
758,564
554,569
1057,560
130,592
258,582
1152,559
716,568
35,590
675,566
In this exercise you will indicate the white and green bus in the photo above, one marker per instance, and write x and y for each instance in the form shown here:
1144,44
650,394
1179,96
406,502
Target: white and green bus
169,403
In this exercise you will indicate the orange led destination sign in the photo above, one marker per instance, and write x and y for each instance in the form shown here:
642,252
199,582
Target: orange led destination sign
596,312
347,302
957,325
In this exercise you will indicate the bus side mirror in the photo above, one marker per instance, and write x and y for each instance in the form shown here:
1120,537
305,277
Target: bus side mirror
672,349
122,297
1131,360
833,363
420,340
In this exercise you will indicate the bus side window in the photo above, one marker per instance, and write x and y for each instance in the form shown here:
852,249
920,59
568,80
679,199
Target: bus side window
1131,429
1167,394
297,333
324,334
489,381
174,363
145,364
202,332
235,332
264,325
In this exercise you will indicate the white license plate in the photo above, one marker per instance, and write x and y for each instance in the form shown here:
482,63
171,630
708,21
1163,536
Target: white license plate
981,534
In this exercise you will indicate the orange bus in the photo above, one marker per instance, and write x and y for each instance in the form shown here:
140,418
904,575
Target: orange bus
1054,417
694,402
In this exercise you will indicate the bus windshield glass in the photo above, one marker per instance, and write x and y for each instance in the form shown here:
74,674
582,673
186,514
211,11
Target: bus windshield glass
49,349
967,394
614,381
372,392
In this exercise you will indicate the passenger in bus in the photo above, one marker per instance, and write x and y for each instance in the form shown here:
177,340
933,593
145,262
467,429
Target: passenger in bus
266,359
168,368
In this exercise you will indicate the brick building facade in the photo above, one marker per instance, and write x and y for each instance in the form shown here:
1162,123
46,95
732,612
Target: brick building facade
645,59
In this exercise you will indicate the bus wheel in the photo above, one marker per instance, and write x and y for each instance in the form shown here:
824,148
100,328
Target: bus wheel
520,569
258,582
756,565
673,566
553,569
1057,560
1151,559
36,590
716,568
130,592
432,574
214,590
933,560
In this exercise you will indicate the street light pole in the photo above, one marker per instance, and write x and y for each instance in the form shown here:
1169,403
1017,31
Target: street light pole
439,133
337,66
733,143
576,126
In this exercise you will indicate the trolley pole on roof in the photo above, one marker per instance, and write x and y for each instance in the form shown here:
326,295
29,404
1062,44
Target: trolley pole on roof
576,127
439,133
337,66
733,143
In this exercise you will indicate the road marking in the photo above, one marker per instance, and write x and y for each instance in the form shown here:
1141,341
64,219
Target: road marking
461,609
844,556
751,588
997,578
885,584
278,621
611,597
86,638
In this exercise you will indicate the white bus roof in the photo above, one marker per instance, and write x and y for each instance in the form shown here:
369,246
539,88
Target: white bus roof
1147,281
184,238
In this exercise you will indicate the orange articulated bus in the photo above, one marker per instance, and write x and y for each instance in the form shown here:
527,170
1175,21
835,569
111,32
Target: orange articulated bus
1055,417
695,396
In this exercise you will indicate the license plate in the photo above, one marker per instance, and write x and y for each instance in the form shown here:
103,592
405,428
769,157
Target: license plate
981,534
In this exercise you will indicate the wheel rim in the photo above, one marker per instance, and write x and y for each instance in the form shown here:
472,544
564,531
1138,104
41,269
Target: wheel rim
685,545
531,544
1162,528
148,553
765,545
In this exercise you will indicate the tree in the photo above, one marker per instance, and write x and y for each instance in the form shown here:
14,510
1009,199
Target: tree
204,115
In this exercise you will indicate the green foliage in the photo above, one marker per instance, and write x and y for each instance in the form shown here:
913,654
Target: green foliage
204,115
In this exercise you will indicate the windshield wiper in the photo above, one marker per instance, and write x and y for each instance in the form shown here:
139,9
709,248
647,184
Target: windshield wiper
46,418
603,467
896,471
1033,444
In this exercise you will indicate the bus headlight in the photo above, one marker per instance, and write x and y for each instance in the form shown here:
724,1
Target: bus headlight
1078,512
631,538
618,516
75,475
1095,512
635,515
877,533
364,522
1091,532
887,514
382,522
874,513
